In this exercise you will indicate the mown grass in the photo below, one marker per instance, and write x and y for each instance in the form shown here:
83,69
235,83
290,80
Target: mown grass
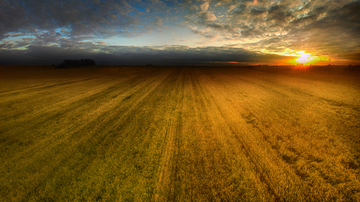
179,134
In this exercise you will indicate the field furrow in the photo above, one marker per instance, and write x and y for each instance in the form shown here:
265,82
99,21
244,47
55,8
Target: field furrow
180,134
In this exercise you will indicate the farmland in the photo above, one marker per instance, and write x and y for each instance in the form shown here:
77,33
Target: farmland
179,134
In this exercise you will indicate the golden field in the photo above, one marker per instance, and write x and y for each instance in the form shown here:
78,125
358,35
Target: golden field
179,134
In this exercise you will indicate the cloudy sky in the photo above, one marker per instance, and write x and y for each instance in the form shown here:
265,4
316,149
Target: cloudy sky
180,32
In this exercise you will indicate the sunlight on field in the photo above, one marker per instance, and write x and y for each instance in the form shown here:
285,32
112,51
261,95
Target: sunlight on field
179,134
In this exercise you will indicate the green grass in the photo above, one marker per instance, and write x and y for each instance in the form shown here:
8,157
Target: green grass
179,134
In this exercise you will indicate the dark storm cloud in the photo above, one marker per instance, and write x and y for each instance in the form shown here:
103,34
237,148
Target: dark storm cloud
77,17
127,55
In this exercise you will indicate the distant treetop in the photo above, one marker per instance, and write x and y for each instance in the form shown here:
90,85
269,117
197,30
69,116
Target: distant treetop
76,63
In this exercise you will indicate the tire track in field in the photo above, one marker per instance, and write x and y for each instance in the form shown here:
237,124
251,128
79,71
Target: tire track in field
266,96
44,112
257,124
164,95
217,160
224,144
87,94
203,164
117,120
43,91
15,107
193,183
54,116
78,142
340,111
40,104
136,98
45,86
292,156
340,114
340,137
246,149
169,166
299,92
304,91
199,163
263,177
183,173
295,96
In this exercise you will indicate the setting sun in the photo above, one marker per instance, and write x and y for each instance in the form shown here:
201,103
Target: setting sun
304,58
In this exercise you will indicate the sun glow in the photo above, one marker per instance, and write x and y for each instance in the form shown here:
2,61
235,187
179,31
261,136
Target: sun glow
309,58
304,58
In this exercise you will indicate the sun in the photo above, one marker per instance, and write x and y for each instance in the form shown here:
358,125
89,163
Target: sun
304,57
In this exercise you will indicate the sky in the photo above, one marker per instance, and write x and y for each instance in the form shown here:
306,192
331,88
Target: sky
180,32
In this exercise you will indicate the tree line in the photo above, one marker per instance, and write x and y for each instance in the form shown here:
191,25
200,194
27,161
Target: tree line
76,63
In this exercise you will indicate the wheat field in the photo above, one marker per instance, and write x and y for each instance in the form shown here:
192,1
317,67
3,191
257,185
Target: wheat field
179,134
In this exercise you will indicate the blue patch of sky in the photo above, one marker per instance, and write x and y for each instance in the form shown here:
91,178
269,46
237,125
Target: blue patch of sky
58,29
180,1
141,9
132,13
64,34
169,3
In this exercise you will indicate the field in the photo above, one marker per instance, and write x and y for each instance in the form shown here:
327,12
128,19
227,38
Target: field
179,134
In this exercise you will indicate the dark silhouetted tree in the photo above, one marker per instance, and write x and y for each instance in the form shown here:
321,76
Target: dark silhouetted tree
76,63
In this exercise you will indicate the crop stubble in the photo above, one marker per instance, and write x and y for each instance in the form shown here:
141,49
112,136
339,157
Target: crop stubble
179,134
